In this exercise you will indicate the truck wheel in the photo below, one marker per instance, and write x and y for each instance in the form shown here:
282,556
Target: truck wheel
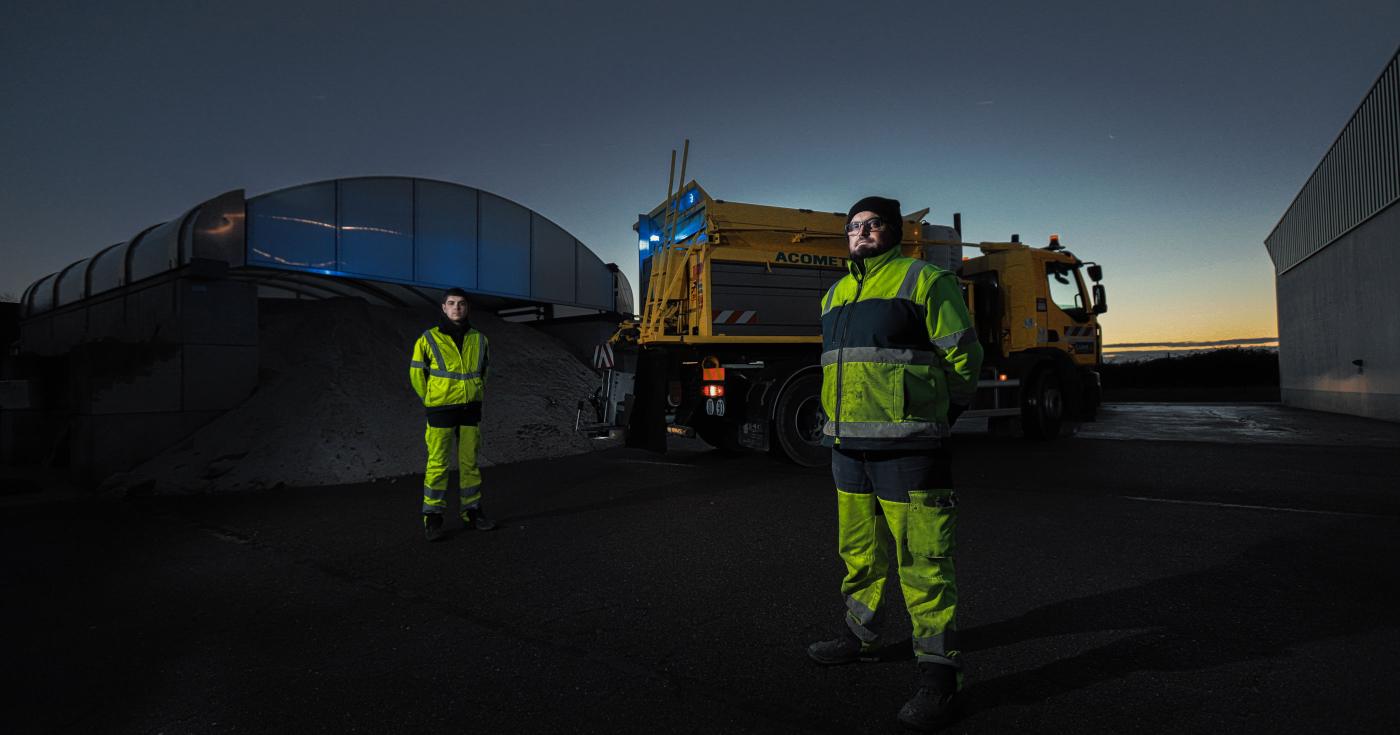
1043,408
799,422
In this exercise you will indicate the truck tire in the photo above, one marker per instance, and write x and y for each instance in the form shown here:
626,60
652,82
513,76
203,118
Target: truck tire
798,422
1043,405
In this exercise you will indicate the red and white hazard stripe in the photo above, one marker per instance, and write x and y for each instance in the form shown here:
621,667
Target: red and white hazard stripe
735,316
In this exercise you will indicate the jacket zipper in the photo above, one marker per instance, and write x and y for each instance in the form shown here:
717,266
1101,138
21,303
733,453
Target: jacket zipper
461,357
841,352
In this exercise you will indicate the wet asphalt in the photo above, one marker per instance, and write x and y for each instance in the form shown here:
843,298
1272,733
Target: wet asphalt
1118,581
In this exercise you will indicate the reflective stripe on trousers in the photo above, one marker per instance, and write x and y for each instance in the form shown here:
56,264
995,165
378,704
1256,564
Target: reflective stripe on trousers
922,533
439,441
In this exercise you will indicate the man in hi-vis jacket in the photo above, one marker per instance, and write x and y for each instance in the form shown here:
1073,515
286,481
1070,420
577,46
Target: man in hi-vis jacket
448,372
900,361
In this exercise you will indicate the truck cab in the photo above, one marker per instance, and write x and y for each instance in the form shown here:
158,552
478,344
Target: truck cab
1035,318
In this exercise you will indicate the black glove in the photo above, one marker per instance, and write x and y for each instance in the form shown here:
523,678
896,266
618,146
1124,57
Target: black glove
954,411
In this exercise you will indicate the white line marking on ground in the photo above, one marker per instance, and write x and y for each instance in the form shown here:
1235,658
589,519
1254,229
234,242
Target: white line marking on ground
1259,507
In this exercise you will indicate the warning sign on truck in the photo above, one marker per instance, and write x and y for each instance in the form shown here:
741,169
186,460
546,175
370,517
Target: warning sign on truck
603,356
735,316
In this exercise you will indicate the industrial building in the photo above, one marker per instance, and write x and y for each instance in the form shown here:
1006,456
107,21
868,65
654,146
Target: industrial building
1336,252
124,353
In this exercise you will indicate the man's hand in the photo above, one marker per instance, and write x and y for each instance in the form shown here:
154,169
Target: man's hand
954,411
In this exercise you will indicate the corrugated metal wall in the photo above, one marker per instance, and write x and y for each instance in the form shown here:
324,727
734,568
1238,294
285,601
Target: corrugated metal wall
1335,253
1359,177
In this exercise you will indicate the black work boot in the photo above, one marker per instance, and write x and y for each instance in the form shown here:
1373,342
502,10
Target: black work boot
932,706
432,526
843,649
476,518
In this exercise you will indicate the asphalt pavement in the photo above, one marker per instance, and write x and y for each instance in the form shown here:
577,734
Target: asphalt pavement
1129,579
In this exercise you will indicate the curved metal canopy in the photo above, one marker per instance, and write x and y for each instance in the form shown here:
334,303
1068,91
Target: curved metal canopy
389,240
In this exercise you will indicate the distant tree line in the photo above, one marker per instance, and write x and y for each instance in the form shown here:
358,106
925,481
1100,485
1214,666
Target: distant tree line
1225,368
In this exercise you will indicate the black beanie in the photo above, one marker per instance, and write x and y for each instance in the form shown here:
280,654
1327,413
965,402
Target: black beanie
887,209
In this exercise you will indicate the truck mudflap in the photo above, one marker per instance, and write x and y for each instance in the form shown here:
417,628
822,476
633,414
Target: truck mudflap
754,432
754,435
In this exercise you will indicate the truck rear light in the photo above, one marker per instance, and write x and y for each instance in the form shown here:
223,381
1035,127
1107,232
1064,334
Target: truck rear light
1001,376
713,391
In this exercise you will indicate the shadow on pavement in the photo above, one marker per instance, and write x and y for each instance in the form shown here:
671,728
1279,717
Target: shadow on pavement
1277,595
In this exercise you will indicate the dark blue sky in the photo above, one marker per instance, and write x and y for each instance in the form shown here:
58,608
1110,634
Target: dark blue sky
1161,140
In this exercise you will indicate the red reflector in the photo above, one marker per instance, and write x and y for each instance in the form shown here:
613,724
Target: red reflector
714,374
713,391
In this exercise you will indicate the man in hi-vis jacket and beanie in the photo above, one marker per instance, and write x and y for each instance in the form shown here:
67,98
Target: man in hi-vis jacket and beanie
448,372
900,361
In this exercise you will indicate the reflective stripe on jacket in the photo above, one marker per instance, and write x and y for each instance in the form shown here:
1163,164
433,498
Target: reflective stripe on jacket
442,375
897,345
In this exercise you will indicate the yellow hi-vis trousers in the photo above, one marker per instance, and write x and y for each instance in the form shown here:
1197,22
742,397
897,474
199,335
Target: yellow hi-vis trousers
921,533
440,441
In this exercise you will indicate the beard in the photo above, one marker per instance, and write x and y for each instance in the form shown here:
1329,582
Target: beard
867,249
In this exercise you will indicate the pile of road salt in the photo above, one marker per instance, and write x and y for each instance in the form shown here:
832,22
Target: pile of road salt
334,404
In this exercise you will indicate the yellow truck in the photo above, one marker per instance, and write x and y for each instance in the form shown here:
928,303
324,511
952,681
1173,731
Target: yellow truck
727,343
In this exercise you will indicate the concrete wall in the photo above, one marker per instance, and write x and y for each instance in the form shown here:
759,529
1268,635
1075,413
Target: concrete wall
1340,305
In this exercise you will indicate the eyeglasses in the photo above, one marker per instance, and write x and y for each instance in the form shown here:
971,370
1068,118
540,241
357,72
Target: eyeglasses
874,223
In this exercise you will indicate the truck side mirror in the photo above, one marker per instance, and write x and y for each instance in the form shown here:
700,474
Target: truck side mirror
1095,272
1100,299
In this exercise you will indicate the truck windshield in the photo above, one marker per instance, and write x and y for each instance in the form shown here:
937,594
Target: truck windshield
1066,290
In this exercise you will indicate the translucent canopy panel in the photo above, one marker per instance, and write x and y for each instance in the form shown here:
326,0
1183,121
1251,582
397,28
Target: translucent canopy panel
72,283
154,252
593,280
41,298
504,252
553,271
294,227
107,269
445,235
425,233
376,227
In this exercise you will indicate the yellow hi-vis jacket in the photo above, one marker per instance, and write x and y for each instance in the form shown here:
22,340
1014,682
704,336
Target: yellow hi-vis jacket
442,375
898,346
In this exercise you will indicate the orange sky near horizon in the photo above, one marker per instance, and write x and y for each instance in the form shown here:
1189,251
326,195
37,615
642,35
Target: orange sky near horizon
1159,291
1209,319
